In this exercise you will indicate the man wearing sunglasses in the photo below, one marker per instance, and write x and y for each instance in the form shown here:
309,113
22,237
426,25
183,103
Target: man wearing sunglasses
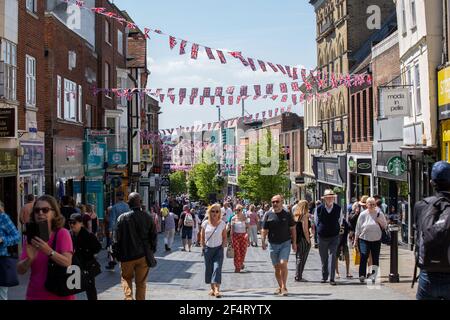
279,225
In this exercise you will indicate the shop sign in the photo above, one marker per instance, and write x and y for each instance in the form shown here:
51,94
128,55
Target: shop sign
396,166
7,122
33,157
146,153
299,180
71,153
8,162
117,157
396,101
444,93
94,158
338,137
351,164
364,166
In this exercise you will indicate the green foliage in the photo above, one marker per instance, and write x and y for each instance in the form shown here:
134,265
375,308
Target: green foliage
204,176
259,181
178,183
192,188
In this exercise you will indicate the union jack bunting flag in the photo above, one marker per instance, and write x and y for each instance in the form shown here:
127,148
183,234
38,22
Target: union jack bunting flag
206,92
170,91
283,87
99,10
294,99
172,98
305,81
191,99
221,57
194,51
272,66
264,115
222,100
295,87
236,54
172,42
276,112
281,68
244,62
181,100
182,93
288,70
369,79
238,99
274,97
161,98
302,97
146,33
284,98
230,100
202,100
183,47
262,65
269,88
158,91
230,90
257,89
270,113
209,53
252,64
194,92
219,91
295,73
244,90
212,98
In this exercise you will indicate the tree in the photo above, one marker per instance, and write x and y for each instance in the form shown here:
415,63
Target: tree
178,183
192,188
265,172
205,180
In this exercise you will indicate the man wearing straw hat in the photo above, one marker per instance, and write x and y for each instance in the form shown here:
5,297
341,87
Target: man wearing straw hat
328,218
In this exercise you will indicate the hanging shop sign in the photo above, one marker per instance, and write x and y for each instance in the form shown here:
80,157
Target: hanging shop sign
338,137
396,166
364,166
351,164
33,158
7,122
117,158
94,158
396,101
444,93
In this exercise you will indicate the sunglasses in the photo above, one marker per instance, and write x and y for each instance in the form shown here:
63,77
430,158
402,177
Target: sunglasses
44,210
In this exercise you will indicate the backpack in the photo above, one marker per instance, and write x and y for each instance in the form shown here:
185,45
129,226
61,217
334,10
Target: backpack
188,220
432,233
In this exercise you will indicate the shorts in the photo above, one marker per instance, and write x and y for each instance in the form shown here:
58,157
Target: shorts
186,233
280,252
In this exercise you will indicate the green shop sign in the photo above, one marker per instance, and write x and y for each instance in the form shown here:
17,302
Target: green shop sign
94,156
396,166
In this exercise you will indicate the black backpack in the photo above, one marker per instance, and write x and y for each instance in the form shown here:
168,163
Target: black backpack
432,233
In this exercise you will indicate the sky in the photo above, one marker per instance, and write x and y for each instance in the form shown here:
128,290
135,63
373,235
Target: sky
276,31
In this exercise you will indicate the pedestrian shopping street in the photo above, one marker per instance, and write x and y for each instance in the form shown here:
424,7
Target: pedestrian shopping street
180,276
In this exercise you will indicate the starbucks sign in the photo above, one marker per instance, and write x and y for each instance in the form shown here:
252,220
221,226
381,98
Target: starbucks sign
396,166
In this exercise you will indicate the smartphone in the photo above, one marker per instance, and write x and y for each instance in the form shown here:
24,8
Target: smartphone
37,230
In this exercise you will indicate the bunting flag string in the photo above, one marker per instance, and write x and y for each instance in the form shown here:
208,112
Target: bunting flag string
287,70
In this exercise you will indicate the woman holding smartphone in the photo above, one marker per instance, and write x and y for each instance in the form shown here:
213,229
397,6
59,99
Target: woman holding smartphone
38,253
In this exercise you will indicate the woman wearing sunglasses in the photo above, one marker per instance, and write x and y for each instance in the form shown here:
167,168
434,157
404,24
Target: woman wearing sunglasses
37,254
368,238
214,240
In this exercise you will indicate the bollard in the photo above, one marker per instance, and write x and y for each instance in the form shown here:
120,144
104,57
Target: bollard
394,277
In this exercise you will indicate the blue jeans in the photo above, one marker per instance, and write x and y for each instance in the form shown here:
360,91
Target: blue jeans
327,250
279,252
365,249
433,286
213,263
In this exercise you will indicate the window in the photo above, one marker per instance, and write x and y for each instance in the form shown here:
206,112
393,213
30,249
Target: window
417,89
107,73
70,100
30,76
107,32
403,17
88,116
32,5
413,14
120,41
58,97
8,70
111,123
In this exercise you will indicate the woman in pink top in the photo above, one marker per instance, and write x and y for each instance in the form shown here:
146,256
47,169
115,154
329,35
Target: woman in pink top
36,255
253,225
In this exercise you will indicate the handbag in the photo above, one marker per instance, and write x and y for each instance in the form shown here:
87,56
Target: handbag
385,237
230,251
8,272
93,268
356,257
58,277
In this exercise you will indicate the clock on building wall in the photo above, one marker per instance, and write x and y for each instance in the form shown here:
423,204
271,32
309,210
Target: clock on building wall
314,137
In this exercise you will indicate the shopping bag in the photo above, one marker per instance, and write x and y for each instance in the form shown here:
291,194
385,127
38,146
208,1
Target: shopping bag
356,257
230,252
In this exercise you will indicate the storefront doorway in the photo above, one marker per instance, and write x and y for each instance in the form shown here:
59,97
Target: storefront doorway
8,195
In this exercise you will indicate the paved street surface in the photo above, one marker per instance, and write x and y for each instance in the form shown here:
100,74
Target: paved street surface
180,275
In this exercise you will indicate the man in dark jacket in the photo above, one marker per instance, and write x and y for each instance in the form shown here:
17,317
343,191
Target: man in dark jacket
433,239
135,243
328,219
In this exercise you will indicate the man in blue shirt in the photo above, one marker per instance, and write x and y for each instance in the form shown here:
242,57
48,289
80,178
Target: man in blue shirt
116,211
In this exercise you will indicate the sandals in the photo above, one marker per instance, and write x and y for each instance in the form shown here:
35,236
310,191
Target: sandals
278,291
217,294
349,276
211,293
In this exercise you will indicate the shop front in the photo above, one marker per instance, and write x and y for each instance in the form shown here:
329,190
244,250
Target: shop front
360,176
444,112
31,169
331,174
8,181
68,165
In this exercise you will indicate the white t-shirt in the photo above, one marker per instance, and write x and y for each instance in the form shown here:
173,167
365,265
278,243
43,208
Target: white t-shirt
213,240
